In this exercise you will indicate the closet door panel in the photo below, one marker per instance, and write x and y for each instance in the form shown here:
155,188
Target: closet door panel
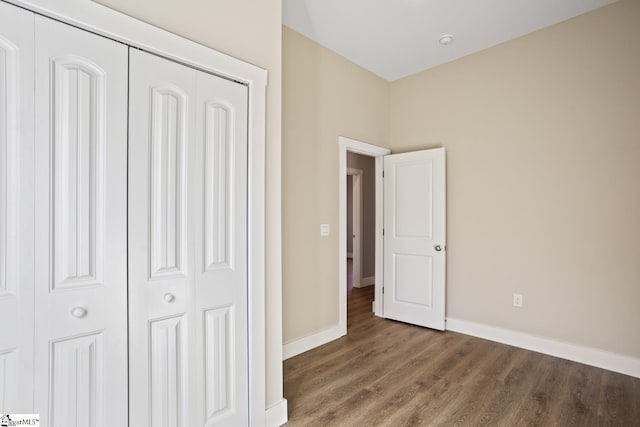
81,288
161,279
16,209
221,251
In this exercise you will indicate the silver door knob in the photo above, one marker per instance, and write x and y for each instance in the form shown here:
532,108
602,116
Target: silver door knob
78,312
438,248
169,297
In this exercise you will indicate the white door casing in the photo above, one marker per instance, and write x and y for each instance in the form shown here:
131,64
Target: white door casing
351,145
16,209
80,224
414,237
188,251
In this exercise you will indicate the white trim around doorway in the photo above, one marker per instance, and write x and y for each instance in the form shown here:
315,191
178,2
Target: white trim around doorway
359,147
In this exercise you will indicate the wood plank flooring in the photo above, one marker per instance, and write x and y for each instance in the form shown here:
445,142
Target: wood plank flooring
386,373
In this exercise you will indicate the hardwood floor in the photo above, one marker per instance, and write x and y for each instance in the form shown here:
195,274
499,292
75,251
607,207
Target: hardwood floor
389,373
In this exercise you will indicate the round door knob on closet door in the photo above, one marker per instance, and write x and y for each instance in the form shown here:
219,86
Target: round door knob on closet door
79,312
169,297
438,248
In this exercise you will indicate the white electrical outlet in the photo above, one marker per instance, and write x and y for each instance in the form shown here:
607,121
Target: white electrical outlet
517,300
324,230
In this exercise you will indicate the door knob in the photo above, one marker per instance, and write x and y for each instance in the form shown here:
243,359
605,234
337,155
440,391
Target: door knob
438,248
78,312
169,297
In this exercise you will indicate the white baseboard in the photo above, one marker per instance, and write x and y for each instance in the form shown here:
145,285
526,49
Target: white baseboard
368,281
310,342
589,356
276,415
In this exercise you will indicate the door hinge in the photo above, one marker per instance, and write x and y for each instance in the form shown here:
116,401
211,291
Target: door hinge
383,174
383,232
383,290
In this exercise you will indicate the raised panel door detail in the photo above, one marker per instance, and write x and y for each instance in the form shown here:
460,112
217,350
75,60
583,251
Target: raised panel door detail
413,279
78,135
413,211
168,386
162,155
187,229
220,210
219,151
414,256
167,183
9,170
76,382
80,188
7,379
219,359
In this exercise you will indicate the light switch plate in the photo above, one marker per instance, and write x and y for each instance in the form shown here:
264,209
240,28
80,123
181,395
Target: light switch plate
324,229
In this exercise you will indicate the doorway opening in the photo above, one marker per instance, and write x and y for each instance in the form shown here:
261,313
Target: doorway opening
356,181
365,273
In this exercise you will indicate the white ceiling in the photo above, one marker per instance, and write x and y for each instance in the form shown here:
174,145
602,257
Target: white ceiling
396,38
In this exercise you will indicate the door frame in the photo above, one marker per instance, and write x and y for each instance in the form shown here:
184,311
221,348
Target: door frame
356,222
351,145
101,20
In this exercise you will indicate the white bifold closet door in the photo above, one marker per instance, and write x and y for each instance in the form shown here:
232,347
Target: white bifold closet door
188,338
16,209
80,227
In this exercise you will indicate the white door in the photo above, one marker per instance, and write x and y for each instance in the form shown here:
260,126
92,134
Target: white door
187,246
80,220
414,237
161,261
16,209
219,211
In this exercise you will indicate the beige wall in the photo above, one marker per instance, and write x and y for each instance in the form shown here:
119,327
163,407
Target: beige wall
325,96
368,167
251,31
543,155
